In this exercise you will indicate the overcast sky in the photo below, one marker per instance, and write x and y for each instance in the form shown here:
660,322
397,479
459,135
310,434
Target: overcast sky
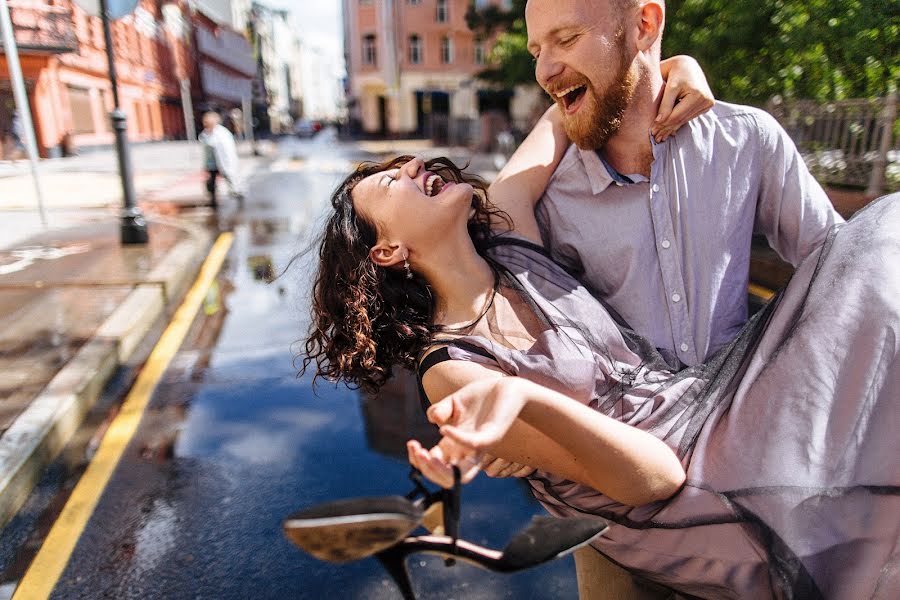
319,21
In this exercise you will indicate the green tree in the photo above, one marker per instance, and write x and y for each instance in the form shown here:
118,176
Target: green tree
751,50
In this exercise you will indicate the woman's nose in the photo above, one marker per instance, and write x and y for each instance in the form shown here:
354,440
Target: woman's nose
413,167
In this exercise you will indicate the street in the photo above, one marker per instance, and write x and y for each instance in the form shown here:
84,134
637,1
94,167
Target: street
233,440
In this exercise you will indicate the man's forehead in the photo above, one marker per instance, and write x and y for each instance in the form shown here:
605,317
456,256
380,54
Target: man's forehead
543,17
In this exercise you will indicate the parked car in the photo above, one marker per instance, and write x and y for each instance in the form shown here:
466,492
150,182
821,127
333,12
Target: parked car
306,127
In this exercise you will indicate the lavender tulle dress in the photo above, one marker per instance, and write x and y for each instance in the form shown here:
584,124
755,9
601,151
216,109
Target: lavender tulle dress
789,435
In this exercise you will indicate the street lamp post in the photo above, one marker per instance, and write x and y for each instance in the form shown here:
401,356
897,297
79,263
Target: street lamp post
133,225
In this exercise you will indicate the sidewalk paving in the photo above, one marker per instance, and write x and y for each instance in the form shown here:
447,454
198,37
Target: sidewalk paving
74,302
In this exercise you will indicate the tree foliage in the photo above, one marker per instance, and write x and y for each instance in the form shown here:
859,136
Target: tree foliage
751,50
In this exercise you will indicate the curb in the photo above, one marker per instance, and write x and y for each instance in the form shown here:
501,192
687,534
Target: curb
37,435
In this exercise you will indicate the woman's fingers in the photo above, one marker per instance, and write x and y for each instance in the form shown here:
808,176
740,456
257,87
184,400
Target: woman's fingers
437,464
667,104
476,440
441,412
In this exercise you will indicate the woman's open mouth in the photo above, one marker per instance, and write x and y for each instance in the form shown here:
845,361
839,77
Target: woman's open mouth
571,98
434,183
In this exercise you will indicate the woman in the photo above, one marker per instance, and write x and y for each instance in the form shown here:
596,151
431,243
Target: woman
744,477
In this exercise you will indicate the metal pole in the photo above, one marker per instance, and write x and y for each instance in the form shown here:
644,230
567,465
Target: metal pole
22,105
133,226
247,107
190,129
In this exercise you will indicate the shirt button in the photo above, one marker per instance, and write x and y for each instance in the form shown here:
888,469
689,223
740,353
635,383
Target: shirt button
666,244
676,297
655,188
684,347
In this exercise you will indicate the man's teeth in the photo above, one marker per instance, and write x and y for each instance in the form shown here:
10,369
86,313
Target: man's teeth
562,93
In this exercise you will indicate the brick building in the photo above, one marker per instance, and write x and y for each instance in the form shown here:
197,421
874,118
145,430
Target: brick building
62,52
411,70
225,66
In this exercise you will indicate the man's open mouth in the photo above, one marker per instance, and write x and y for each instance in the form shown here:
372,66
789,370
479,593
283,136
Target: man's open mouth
570,96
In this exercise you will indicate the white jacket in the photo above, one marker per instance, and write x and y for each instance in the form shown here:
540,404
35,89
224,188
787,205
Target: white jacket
222,143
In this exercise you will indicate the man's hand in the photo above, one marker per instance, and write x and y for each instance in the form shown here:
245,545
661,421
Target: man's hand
497,467
686,95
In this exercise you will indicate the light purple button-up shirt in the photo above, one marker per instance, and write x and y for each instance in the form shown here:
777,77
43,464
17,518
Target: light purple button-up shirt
672,254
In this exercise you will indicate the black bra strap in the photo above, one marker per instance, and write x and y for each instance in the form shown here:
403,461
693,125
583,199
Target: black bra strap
440,355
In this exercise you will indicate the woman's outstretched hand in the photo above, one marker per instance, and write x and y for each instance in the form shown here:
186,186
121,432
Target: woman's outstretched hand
477,415
471,420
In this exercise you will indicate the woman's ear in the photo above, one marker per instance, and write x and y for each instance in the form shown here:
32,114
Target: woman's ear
385,254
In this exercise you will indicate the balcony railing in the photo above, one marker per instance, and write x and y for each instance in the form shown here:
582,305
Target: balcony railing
40,28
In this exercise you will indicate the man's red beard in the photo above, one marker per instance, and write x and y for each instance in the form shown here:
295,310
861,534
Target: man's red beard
601,114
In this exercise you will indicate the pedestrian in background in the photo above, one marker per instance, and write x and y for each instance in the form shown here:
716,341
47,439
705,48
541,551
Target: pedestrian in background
219,157
16,137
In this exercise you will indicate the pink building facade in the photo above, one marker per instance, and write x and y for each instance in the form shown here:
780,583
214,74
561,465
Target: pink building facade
411,69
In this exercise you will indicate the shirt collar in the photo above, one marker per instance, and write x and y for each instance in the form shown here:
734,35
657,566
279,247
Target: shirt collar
601,174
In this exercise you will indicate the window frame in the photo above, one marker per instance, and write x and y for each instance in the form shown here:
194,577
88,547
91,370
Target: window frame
442,11
368,49
418,47
446,50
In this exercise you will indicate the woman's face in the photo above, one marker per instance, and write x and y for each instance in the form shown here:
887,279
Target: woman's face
412,206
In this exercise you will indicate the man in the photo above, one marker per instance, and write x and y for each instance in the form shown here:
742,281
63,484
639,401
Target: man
659,230
219,157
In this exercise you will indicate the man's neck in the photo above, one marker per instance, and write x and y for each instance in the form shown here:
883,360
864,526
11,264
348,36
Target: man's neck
629,150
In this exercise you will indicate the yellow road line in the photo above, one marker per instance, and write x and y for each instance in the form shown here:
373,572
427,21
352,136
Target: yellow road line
760,291
51,559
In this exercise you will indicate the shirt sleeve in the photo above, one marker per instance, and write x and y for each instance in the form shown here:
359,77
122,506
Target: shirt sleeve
793,211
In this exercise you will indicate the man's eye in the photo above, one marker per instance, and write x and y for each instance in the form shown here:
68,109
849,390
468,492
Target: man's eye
568,40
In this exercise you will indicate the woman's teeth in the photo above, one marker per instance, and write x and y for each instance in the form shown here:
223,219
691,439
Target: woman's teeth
433,185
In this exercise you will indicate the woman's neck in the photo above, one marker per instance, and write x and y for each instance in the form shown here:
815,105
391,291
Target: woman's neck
462,283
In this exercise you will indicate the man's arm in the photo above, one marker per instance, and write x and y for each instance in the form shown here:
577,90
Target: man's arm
793,211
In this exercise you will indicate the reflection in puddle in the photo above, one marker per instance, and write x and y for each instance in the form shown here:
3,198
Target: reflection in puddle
395,415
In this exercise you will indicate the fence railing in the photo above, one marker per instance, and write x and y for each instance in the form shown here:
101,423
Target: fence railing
846,143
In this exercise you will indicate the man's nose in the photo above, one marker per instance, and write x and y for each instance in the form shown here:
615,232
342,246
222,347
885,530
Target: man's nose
546,68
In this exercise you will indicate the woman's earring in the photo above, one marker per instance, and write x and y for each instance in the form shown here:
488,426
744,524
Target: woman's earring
409,274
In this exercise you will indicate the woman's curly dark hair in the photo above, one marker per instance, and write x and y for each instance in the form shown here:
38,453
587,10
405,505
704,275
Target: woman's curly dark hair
367,319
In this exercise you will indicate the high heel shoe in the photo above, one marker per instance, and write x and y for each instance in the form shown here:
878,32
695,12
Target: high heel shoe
352,529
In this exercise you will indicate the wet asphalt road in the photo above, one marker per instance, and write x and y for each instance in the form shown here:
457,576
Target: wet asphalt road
234,441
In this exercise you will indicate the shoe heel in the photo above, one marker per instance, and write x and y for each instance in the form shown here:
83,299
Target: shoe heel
394,562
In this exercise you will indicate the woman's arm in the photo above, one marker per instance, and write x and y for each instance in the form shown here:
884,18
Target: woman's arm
687,95
523,422
523,179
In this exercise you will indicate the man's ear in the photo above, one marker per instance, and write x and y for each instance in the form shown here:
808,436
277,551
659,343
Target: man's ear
385,254
650,27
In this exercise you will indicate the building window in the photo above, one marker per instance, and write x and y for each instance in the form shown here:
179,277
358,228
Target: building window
368,49
414,1
415,49
446,50
442,11
82,113
479,52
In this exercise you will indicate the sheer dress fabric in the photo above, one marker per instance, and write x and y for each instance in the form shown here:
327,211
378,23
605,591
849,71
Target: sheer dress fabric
787,434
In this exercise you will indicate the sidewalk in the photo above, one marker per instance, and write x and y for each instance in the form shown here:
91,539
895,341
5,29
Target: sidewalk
74,302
